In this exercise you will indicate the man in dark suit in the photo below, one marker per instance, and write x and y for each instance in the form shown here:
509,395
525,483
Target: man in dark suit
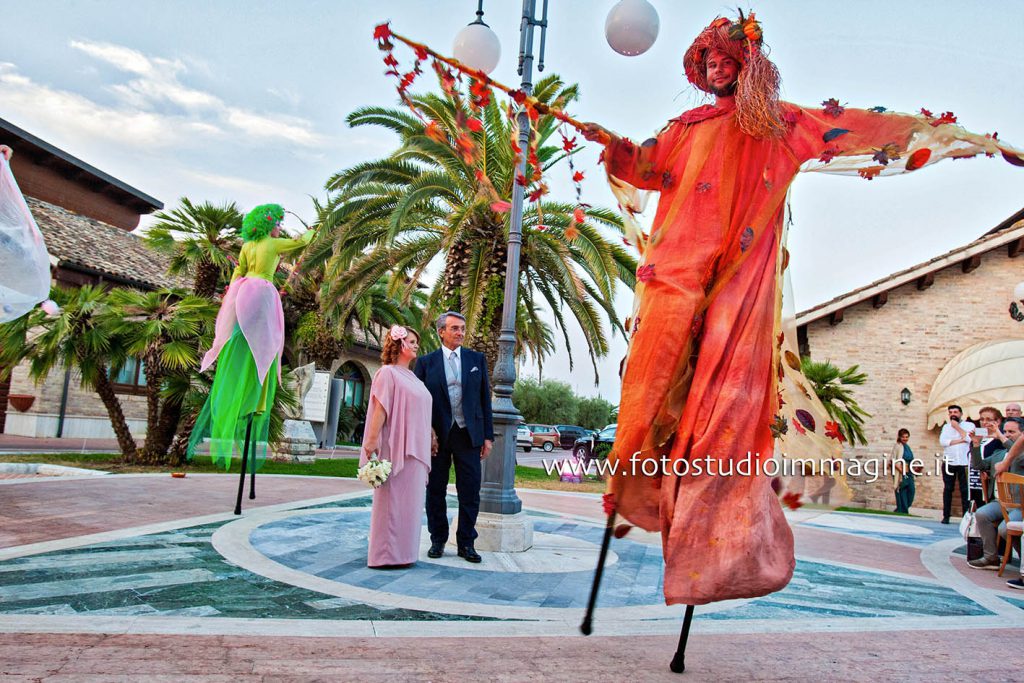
461,418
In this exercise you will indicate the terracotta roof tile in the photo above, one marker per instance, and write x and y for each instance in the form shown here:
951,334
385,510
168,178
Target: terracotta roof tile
76,239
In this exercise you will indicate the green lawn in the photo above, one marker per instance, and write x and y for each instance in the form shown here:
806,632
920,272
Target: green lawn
526,477
872,511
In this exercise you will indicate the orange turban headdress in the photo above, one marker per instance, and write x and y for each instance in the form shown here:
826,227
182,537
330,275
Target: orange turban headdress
757,90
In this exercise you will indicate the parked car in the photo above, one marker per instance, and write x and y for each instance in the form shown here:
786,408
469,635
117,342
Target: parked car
524,438
567,435
596,446
544,436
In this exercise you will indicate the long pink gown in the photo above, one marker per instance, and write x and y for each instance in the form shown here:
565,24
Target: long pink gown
398,504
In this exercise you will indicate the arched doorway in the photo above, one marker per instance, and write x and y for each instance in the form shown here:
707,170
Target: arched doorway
354,376
352,411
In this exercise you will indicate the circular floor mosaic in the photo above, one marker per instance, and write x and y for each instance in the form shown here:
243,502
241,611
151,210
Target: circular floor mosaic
556,573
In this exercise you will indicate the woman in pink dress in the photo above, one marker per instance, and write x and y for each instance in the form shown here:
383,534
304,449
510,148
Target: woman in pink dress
398,430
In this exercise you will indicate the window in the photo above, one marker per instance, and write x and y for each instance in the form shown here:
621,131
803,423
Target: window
131,378
355,385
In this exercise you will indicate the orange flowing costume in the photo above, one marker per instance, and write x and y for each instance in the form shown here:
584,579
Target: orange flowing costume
707,372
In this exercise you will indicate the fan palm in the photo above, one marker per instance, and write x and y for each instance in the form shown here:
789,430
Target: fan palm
389,219
832,387
85,336
165,330
201,239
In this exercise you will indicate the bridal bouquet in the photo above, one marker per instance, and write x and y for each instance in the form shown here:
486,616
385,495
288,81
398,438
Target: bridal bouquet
375,472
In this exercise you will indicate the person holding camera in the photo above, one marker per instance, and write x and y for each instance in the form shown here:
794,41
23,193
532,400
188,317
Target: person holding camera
956,443
989,517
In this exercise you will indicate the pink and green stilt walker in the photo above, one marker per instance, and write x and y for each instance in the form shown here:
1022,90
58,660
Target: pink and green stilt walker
247,346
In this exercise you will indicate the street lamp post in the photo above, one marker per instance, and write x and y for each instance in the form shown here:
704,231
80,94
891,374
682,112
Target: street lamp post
498,494
631,29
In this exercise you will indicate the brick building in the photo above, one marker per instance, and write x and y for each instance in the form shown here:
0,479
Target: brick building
902,330
86,217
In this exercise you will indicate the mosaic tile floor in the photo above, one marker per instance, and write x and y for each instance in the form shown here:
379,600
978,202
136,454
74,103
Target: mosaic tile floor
180,573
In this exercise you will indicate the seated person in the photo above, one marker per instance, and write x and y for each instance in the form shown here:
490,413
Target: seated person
990,516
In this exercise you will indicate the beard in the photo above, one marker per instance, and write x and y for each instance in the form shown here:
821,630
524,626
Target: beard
727,91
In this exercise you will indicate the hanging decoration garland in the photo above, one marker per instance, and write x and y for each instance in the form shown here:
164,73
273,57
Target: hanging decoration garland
451,74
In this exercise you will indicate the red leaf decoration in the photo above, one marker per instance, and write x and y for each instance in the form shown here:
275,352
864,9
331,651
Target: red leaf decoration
501,207
925,113
799,427
832,107
568,144
792,500
645,273
434,132
577,176
571,233
947,117
1012,158
918,158
381,32
832,431
421,53
578,215
870,172
608,503
475,125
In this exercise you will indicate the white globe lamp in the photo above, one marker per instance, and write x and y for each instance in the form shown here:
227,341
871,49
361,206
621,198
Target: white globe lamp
632,27
477,47
1018,292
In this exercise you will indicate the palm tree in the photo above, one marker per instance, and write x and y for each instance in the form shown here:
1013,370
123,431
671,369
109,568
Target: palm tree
832,387
388,219
201,239
165,330
84,336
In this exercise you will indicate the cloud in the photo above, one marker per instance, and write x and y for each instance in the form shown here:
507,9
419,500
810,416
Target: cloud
158,84
123,58
290,129
233,183
77,117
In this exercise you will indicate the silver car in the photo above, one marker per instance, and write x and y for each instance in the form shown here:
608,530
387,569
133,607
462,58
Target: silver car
524,438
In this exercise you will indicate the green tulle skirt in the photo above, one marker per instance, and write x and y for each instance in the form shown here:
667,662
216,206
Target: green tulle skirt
235,396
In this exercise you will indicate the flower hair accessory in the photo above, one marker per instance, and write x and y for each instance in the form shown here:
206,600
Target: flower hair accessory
398,332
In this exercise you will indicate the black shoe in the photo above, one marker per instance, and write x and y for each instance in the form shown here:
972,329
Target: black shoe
945,520
469,554
436,550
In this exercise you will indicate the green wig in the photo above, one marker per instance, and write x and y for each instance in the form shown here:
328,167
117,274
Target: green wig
258,223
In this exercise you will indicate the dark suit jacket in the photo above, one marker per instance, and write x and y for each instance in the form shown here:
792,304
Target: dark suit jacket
476,395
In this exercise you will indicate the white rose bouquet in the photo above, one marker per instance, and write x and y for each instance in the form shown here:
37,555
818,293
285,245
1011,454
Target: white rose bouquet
375,472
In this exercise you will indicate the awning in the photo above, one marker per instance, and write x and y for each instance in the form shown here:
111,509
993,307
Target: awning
987,374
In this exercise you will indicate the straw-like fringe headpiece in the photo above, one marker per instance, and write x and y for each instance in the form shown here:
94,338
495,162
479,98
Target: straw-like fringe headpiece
758,112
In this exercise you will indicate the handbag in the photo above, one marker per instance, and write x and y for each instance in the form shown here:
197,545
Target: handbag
969,525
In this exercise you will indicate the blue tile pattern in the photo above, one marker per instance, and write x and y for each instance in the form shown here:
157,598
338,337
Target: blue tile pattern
333,546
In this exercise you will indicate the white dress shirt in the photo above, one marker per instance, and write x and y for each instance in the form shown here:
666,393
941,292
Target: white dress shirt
956,453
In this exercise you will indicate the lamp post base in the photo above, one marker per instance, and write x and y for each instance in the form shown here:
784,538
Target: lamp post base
497,533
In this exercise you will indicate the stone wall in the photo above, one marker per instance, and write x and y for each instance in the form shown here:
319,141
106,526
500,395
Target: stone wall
905,343
84,417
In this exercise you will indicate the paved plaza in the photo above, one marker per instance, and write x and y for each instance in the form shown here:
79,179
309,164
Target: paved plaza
145,577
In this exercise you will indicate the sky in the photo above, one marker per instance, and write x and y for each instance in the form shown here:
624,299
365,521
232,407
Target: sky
246,101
